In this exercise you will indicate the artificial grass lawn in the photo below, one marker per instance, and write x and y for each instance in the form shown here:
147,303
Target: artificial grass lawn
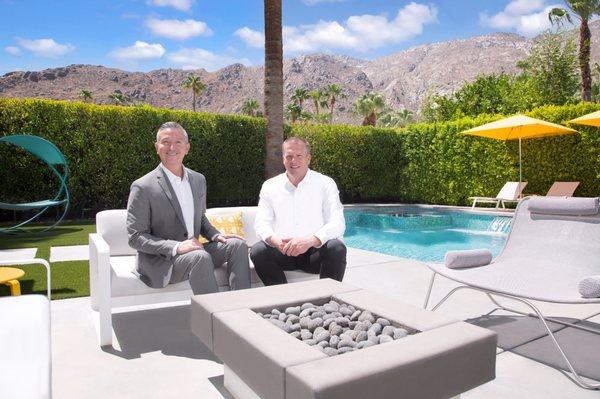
69,279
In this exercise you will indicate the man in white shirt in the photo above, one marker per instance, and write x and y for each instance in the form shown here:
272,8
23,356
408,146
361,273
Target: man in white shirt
165,217
300,221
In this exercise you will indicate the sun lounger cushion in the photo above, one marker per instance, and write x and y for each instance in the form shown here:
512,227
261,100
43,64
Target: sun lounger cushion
568,206
590,287
467,258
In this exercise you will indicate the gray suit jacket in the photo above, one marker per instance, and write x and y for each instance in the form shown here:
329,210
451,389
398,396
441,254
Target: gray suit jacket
155,223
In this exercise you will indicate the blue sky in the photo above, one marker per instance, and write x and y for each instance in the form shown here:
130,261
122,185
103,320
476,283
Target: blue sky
141,35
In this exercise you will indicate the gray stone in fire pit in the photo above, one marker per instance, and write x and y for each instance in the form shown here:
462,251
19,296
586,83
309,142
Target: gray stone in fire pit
388,330
292,310
366,315
400,333
383,322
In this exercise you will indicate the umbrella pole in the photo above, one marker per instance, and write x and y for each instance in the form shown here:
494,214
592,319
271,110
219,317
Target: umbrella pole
520,176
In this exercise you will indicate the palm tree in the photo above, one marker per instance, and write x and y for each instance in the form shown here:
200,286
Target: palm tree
195,84
292,112
406,117
249,107
299,96
85,95
118,97
323,118
393,119
333,92
273,87
584,10
319,99
368,106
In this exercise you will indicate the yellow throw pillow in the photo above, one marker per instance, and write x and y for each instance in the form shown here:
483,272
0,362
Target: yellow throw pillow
226,223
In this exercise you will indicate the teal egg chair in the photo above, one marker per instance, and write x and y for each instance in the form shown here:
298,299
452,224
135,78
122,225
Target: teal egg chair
49,154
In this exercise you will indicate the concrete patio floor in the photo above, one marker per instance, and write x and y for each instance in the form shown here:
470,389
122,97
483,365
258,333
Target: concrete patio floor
156,356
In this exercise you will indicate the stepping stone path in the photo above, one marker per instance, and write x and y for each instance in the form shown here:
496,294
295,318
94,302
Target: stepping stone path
18,254
335,328
69,253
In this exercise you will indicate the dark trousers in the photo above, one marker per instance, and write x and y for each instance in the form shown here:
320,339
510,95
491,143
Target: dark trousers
329,261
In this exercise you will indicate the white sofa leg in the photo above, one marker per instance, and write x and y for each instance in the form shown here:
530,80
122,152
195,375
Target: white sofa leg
105,327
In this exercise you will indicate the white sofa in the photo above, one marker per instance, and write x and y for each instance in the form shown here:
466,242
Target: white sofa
112,260
26,363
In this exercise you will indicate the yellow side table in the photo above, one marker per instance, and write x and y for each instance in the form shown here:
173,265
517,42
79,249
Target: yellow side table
9,276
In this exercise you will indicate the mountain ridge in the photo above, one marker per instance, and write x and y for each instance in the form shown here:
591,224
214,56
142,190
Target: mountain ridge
405,77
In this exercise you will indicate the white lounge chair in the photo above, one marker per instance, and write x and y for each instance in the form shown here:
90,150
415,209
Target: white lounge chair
510,192
553,245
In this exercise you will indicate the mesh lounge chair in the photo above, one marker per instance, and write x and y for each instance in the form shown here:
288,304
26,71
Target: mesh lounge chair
553,244
57,163
511,192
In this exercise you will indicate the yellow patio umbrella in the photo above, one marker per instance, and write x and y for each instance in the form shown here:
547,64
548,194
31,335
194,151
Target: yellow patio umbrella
592,119
518,127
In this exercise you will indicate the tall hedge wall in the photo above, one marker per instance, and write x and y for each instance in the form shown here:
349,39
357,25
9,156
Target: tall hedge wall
108,147
433,163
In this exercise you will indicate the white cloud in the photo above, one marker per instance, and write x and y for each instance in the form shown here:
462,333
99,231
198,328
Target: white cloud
520,7
360,32
139,51
251,37
45,47
527,17
198,58
182,5
313,2
177,29
12,50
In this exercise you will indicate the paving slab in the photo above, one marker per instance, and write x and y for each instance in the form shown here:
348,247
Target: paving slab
156,354
360,257
521,378
69,253
18,254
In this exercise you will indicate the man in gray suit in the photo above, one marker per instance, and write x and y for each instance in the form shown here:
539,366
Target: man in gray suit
165,217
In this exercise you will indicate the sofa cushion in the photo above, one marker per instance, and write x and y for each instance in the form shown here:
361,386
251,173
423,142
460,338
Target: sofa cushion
124,282
226,223
112,226
248,216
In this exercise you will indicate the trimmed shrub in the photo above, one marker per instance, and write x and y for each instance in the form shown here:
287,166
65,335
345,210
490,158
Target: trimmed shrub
108,147
435,164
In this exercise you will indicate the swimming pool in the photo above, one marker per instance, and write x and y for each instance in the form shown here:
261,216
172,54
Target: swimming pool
423,234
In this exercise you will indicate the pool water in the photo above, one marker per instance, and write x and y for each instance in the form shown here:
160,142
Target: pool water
425,235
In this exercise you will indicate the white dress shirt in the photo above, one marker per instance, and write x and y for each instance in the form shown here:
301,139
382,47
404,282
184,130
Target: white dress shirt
312,208
183,192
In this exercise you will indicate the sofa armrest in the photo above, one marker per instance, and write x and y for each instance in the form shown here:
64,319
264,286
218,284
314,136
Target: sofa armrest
99,269
100,286
26,365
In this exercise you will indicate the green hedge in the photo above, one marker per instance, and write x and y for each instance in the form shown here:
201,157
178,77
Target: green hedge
108,147
434,164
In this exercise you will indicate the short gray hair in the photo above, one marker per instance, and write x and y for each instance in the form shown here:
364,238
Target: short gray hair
300,139
173,126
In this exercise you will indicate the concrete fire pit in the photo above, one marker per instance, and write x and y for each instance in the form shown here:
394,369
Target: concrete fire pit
440,359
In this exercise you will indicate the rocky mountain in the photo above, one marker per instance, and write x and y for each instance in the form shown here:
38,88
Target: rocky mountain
405,77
